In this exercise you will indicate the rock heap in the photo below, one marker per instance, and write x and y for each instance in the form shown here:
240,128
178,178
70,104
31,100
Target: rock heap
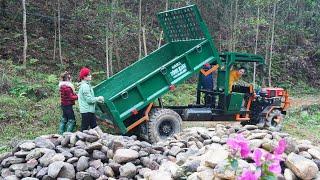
194,154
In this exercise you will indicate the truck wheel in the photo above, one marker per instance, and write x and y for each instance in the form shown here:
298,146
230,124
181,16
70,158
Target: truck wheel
163,123
274,120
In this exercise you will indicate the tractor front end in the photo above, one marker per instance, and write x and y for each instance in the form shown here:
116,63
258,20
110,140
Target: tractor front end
269,108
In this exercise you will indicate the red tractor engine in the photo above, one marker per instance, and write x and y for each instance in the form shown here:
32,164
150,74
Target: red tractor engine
269,108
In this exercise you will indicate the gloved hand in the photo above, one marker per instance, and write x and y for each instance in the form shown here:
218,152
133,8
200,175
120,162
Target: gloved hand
100,99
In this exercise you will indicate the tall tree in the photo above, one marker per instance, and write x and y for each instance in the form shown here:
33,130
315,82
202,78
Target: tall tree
256,45
25,44
139,32
107,41
59,34
272,41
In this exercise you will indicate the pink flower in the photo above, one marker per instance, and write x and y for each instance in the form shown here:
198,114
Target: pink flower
257,155
249,175
281,147
239,144
275,167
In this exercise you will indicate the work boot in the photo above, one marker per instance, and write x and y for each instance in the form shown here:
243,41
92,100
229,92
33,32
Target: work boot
62,125
71,125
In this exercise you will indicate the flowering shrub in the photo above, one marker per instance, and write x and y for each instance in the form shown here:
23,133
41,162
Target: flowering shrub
267,164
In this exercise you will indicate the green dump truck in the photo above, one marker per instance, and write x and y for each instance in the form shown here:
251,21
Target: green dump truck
130,94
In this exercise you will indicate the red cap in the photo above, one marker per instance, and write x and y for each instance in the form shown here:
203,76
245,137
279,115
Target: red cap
84,72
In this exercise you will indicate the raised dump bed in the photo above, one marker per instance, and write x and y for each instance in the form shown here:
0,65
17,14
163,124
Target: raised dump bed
189,47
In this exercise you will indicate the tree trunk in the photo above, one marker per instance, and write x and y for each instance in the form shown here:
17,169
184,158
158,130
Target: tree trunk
234,32
3,8
25,44
107,43
111,44
59,33
55,37
144,41
272,41
256,47
139,32
161,33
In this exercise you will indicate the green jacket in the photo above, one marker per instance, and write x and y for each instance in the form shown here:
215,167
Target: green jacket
87,101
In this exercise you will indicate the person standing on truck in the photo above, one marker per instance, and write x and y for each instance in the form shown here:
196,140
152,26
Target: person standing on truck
87,100
68,97
208,83
235,75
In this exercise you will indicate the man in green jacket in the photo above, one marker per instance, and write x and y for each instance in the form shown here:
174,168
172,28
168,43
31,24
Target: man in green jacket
87,100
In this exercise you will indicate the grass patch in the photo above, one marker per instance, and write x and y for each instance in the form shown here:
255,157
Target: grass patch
304,123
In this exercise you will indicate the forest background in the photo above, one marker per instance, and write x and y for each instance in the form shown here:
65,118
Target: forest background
39,39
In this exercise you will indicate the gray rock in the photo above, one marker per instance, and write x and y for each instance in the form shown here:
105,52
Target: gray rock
128,170
213,157
21,167
45,160
305,154
66,140
96,164
80,152
255,143
27,146
83,163
108,171
157,175
29,178
80,135
289,175
291,145
174,150
5,155
91,138
94,146
93,172
172,168
11,160
57,157
81,144
73,139
191,166
21,154
67,171
115,167
72,160
301,167
317,162
42,172
83,176
12,177
31,164
143,154
67,154
250,127
38,152
6,172
125,155
54,169
143,171
99,155
43,143
315,153
215,139
257,136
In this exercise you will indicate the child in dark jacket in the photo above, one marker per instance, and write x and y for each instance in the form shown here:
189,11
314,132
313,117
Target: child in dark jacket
68,98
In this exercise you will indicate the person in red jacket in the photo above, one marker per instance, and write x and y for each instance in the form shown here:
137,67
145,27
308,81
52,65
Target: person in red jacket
68,97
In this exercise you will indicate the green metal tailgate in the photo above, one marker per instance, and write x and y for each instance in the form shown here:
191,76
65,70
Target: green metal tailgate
188,48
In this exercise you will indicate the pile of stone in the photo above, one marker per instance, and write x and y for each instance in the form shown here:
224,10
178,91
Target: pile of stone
196,153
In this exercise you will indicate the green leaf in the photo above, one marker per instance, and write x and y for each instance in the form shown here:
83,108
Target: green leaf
234,164
33,61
